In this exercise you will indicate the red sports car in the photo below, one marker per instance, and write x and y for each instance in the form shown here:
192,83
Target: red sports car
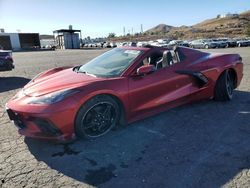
120,86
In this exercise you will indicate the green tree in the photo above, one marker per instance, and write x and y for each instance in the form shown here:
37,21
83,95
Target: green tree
137,34
111,35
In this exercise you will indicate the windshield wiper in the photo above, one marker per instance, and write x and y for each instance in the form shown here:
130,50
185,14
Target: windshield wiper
76,69
89,74
84,72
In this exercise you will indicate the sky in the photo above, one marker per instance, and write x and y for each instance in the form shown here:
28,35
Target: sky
98,18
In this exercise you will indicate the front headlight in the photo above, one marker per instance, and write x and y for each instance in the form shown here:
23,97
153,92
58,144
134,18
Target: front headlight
53,97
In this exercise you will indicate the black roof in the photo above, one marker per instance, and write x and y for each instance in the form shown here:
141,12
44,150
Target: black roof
66,31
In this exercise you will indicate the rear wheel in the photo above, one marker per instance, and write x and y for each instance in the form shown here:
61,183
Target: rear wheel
97,117
9,65
206,46
225,86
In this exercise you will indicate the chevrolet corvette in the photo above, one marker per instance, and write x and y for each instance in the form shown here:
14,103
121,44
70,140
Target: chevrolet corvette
118,87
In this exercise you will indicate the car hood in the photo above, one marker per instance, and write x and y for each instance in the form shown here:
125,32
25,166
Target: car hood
64,79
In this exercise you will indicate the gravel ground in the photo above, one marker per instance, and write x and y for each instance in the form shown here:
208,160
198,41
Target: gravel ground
205,144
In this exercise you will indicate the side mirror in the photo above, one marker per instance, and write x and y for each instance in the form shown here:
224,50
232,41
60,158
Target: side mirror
145,69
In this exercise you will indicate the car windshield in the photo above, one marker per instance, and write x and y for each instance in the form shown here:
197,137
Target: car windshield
111,63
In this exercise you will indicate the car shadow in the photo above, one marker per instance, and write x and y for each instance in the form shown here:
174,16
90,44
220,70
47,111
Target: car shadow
204,144
11,83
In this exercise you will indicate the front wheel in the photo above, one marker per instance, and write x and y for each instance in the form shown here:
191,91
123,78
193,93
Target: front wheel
225,86
97,117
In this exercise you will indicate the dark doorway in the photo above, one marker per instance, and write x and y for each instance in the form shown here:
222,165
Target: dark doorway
29,40
5,42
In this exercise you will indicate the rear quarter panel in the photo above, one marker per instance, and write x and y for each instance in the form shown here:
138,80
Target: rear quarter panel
212,66
218,63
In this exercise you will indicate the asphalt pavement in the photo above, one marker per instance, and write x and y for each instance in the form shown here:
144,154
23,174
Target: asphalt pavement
204,144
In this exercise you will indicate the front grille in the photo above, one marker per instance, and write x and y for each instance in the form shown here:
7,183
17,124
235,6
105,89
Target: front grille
13,116
19,124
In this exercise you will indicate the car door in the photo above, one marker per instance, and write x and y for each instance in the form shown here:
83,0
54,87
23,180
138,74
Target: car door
161,89
200,44
195,44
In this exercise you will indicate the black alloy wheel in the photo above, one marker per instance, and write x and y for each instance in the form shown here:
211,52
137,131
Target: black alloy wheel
225,86
230,85
97,117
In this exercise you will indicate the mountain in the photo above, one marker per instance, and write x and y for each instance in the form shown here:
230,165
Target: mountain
161,28
246,14
231,25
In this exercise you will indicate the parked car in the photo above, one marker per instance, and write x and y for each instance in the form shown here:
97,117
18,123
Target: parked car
124,44
178,43
230,42
106,45
6,60
99,44
203,43
134,44
50,47
162,44
242,42
142,43
119,87
113,45
220,43
153,43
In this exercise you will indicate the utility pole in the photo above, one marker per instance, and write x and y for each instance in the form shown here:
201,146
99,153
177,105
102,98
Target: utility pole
124,31
141,28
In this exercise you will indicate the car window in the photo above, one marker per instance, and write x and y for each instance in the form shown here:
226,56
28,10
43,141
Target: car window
111,63
3,54
171,58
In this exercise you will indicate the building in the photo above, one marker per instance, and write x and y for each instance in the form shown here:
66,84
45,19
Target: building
19,41
67,38
228,15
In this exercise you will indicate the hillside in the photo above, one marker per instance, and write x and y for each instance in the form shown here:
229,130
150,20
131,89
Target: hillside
246,14
161,28
211,28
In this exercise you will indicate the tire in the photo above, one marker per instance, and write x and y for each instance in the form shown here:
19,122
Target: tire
101,114
225,86
9,66
206,46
